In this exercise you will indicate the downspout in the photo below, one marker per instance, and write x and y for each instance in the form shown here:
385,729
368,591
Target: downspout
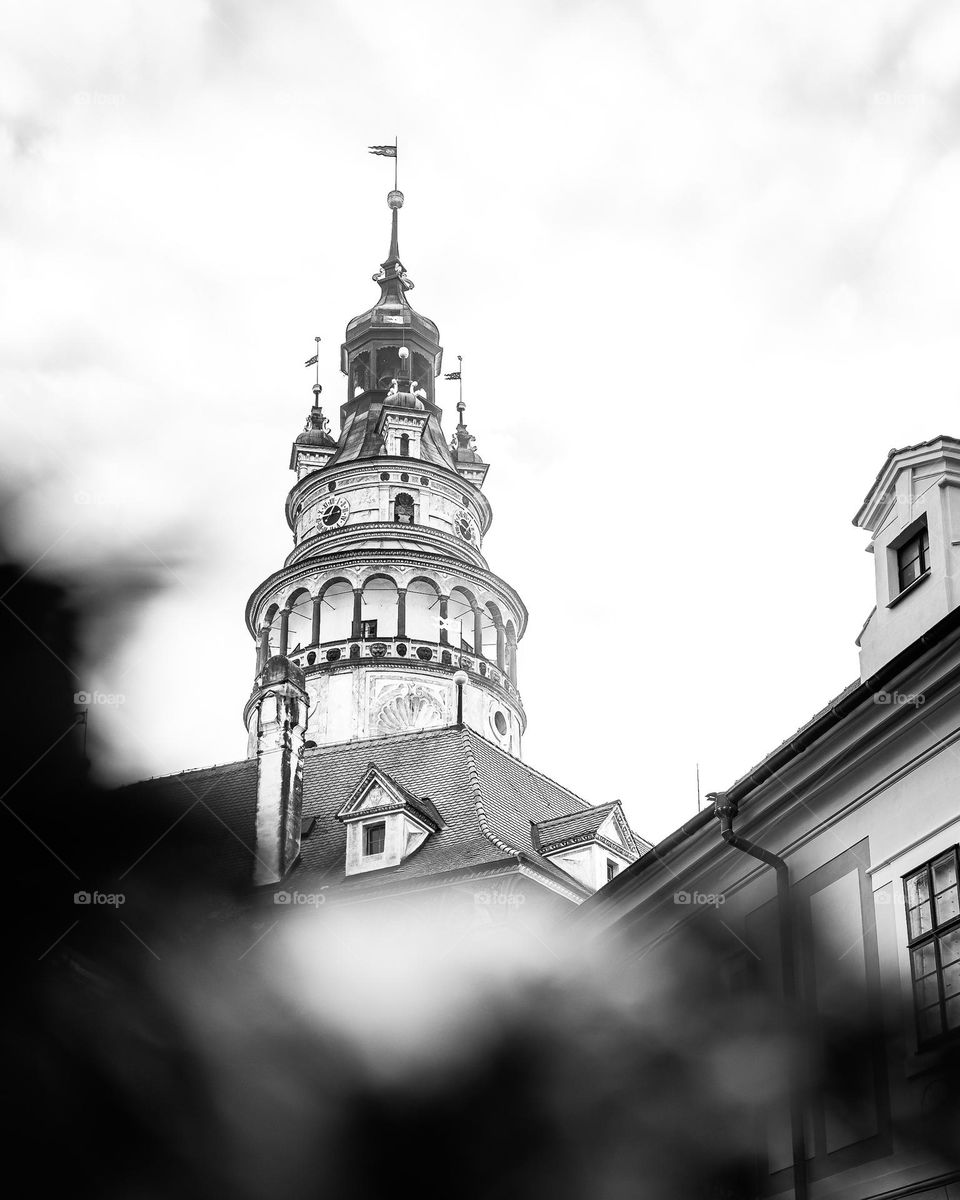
725,809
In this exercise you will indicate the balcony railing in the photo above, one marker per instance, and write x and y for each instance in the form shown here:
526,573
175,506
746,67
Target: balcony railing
398,650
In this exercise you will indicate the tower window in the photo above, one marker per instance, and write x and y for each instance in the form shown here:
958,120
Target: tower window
933,929
613,868
403,509
913,558
368,629
374,838
404,445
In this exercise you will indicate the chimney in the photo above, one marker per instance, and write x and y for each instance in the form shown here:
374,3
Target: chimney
277,718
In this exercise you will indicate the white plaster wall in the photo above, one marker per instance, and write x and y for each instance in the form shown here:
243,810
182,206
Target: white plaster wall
895,625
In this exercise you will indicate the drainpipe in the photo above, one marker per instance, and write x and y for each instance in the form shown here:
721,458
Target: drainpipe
725,809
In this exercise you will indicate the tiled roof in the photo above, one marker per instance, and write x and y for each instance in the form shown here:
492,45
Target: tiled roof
214,805
488,800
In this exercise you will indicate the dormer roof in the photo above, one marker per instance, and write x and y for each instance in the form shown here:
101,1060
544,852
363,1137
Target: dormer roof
377,793
871,512
604,824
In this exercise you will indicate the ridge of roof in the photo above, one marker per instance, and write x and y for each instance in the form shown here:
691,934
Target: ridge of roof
236,763
474,776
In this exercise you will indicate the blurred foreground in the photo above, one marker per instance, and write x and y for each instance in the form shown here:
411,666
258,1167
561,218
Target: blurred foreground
167,1034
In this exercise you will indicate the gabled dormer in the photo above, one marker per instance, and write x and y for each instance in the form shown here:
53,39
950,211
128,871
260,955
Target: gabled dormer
385,823
593,845
913,515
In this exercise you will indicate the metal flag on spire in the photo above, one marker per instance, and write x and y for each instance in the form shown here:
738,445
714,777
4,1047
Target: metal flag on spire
388,152
458,375
315,360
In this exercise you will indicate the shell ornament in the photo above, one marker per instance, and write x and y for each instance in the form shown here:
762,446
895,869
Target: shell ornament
406,706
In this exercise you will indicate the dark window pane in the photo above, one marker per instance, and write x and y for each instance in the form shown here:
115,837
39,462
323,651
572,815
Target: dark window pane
951,979
924,960
612,868
950,947
947,905
374,837
919,920
918,887
944,872
953,1012
927,991
945,887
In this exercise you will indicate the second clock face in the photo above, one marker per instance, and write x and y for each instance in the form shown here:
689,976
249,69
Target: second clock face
333,512
465,527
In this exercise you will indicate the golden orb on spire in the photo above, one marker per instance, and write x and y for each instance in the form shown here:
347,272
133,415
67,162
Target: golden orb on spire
395,199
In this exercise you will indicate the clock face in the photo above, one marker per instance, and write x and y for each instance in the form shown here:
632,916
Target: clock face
465,527
333,512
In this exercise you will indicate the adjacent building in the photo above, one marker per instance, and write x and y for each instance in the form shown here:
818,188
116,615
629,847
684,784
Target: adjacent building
862,806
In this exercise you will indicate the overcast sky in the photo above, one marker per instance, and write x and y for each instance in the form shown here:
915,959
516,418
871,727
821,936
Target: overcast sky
700,260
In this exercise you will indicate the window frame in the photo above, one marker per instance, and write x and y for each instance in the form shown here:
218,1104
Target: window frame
372,827
918,536
616,869
932,937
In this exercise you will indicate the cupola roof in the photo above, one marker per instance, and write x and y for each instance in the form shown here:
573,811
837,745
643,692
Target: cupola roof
393,308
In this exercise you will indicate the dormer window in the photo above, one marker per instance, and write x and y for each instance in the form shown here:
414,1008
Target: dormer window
613,868
374,838
913,558
404,446
385,823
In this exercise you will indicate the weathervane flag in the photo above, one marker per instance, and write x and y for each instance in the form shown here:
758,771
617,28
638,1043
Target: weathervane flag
386,151
311,361
453,375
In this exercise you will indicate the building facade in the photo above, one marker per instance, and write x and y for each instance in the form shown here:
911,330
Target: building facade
861,808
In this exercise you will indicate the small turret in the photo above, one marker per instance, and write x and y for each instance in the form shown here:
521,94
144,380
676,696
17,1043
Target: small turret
315,446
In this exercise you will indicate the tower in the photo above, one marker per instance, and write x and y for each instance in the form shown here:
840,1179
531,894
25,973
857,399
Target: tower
386,593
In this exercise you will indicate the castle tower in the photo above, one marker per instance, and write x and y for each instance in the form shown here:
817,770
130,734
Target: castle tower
386,593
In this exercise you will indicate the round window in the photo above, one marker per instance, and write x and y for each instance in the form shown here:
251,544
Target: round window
500,723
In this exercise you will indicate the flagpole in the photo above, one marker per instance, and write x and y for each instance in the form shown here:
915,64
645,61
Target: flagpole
317,340
396,162
460,373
